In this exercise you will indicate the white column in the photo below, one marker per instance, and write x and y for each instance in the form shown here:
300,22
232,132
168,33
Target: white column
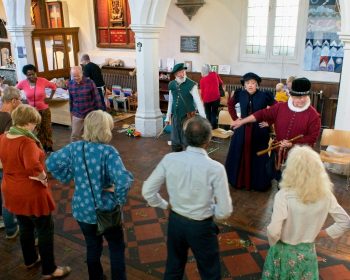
148,19
21,36
148,118
20,29
343,113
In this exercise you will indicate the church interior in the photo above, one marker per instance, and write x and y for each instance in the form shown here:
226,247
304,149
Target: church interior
137,43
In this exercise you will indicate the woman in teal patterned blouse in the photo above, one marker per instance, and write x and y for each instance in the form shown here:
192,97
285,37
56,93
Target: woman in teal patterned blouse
110,182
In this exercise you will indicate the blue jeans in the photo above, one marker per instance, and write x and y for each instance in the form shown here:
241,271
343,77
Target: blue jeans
9,218
201,237
94,246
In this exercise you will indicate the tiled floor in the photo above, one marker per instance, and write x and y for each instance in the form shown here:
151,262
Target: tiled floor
243,243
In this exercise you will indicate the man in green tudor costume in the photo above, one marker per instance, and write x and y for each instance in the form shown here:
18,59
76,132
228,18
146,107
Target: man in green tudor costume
184,99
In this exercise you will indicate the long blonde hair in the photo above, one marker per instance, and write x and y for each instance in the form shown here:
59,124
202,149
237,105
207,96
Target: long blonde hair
306,175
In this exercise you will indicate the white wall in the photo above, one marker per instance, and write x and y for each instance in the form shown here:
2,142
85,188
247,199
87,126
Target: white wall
218,23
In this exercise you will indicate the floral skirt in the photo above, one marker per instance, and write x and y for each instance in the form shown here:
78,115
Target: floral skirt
291,262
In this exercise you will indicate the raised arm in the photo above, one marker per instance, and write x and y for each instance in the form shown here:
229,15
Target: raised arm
239,122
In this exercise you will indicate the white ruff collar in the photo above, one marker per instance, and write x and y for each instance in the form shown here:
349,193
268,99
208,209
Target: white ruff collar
298,109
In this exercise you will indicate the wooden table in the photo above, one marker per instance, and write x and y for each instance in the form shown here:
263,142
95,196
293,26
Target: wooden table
60,113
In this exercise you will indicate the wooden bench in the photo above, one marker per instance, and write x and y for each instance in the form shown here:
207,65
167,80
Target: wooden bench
119,76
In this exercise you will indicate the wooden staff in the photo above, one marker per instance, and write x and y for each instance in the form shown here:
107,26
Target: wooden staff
160,133
276,145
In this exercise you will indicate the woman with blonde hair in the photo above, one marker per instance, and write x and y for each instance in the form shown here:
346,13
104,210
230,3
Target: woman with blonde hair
300,209
93,160
26,193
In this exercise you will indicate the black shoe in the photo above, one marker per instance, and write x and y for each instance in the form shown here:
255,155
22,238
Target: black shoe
48,150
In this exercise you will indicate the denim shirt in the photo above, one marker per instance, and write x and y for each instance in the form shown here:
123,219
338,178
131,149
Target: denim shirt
105,169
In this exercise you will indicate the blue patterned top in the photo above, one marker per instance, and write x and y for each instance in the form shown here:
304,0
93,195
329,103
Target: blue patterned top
105,169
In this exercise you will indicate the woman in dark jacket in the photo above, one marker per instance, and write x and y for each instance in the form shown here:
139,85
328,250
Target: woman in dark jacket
244,168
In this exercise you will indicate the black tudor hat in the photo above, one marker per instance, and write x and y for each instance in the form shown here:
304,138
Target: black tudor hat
300,87
178,67
250,76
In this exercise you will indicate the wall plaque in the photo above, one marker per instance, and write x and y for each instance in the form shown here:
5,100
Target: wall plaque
189,44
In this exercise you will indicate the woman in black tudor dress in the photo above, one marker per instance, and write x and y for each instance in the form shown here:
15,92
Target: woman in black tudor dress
244,168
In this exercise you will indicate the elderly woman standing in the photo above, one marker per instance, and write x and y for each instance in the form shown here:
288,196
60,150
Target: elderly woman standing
11,100
244,168
300,209
209,86
25,190
34,89
293,118
94,158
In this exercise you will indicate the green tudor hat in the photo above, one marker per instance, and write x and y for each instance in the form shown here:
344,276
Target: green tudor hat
178,67
300,87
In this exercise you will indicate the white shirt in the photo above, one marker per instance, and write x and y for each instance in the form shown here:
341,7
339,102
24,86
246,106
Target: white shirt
196,184
294,222
196,98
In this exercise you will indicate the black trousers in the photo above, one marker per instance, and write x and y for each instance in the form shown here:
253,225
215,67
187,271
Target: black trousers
101,92
45,230
211,112
201,237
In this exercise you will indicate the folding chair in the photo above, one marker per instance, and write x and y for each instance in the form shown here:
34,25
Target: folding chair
224,119
337,138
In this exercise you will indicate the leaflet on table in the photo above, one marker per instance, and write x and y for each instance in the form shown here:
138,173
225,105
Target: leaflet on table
59,94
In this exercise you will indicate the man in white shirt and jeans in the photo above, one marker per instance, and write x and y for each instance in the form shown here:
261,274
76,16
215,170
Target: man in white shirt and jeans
198,192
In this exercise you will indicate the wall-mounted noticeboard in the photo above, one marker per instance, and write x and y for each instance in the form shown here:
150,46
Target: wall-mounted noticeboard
189,44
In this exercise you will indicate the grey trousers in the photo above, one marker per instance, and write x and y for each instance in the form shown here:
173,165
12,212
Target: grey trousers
178,140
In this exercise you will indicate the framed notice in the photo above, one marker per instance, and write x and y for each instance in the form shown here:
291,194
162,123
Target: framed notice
189,44
188,64
225,69
214,68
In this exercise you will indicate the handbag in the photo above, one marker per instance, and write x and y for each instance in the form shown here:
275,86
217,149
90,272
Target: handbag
106,219
221,90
